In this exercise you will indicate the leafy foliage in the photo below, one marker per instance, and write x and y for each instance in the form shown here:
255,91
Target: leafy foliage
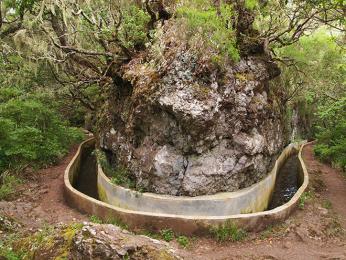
183,241
331,134
118,174
31,132
202,17
167,234
314,72
132,32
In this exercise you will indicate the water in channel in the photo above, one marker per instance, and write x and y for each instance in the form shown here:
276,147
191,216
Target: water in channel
87,177
287,182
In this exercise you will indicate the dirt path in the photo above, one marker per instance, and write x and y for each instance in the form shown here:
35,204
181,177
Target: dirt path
40,201
335,184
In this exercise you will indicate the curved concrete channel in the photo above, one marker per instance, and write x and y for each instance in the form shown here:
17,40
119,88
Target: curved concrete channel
255,198
184,215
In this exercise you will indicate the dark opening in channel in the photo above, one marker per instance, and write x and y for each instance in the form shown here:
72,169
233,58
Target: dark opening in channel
87,177
287,182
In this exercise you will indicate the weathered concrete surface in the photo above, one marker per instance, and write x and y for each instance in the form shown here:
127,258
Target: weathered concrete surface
184,127
249,200
197,225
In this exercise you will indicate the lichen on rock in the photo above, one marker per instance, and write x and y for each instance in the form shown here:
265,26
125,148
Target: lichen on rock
91,241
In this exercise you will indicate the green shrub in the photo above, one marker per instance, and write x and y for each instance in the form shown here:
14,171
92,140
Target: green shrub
202,18
119,175
133,30
32,133
167,234
306,196
331,135
228,232
183,241
8,184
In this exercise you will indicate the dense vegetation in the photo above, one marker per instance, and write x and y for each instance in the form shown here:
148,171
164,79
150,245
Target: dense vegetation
315,79
33,132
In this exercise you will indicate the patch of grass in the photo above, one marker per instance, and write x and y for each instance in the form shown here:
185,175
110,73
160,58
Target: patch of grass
268,232
117,222
306,196
95,219
6,248
228,232
183,241
150,234
334,228
327,204
167,234
273,231
110,220
9,183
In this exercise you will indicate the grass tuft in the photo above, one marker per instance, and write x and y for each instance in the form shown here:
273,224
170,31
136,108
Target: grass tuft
228,232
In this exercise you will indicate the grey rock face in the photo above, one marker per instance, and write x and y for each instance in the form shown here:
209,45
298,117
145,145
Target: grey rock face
192,133
110,242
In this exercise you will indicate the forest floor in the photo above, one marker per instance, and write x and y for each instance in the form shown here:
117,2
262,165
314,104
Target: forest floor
315,231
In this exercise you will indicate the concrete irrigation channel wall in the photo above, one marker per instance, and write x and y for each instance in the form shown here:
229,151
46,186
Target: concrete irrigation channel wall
255,198
182,219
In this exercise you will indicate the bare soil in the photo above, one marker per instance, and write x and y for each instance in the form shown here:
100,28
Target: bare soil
314,232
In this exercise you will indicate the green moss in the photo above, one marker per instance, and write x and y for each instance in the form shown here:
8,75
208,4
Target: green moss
246,211
201,92
251,4
102,193
244,76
